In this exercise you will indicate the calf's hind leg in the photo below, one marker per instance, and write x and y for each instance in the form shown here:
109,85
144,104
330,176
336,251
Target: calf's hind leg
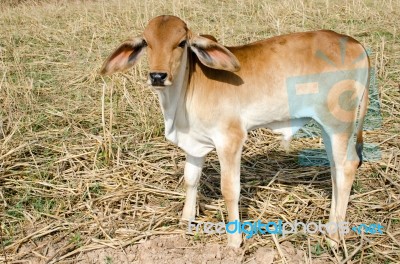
345,163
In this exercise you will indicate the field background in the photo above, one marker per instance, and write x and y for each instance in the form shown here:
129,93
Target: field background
84,164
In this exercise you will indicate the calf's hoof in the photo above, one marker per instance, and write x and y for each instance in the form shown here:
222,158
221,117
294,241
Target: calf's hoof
234,240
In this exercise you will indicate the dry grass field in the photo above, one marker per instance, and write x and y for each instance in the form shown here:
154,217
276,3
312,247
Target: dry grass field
86,175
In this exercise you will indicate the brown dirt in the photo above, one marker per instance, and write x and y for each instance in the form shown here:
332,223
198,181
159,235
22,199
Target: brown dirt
180,249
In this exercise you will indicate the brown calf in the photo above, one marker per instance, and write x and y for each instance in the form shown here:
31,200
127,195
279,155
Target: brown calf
212,95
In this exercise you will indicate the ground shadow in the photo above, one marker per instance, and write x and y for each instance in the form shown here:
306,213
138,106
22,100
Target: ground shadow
258,170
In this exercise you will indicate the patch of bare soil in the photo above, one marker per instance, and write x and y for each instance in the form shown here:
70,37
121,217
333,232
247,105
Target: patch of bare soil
177,249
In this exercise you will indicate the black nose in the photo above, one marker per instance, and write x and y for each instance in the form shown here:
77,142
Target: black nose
158,78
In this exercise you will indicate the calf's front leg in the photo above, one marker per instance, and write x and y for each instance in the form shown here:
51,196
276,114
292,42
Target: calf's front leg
193,168
229,151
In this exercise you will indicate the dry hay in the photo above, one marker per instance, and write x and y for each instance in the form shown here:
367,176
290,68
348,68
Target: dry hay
84,164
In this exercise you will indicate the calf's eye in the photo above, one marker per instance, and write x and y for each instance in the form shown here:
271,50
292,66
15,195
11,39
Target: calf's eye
182,44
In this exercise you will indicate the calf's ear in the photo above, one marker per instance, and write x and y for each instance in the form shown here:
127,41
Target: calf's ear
213,54
124,57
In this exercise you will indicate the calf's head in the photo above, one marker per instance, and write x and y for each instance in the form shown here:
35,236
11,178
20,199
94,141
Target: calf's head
166,38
